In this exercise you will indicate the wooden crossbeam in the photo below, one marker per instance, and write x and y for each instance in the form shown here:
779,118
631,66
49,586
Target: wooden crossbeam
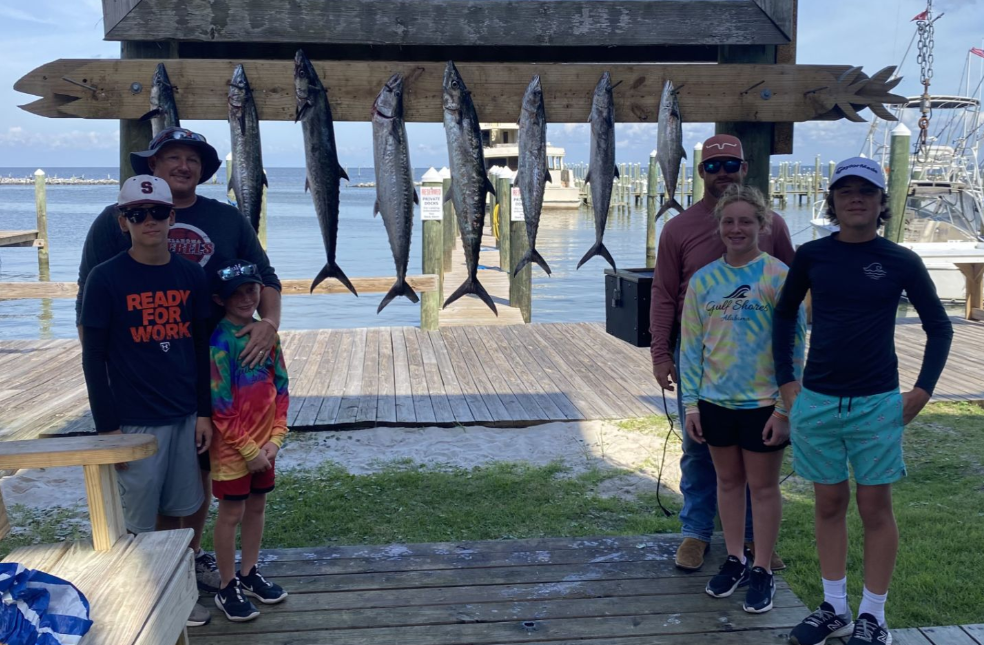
443,23
420,283
708,93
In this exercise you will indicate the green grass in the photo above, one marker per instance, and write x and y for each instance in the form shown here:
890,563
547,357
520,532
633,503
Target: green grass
939,508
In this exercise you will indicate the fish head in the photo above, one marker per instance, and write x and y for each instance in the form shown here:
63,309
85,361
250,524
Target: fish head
306,84
238,87
389,101
602,101
669,104
533,98
455,92
160,85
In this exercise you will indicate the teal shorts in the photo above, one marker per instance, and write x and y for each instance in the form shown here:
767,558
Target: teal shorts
829,431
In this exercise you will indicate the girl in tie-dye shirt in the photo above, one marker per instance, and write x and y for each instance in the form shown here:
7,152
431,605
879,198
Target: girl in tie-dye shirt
730,392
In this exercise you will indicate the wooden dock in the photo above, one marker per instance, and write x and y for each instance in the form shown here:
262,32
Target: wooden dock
592,591
510,375
18,238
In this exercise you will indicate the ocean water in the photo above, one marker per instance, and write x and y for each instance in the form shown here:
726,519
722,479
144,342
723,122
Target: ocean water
295,249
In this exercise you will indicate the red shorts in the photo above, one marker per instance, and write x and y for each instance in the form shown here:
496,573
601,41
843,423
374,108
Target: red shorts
242,488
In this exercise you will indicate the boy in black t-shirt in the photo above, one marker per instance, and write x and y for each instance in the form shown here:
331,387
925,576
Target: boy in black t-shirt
145,356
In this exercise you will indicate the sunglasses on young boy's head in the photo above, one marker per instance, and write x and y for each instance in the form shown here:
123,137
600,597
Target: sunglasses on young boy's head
176,134
139,215
712,166
243,268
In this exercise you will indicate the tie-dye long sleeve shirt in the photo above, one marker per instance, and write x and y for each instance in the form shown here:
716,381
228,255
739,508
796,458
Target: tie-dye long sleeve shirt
249,406
726,335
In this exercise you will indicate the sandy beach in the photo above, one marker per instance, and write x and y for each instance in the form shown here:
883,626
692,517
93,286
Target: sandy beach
580,446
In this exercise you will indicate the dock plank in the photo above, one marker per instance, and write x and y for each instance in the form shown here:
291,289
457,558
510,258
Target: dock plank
315,397
386,399
305,380
461,407
348,410
369,392
418,382
432,374
401,375
456,365
486,373
336,385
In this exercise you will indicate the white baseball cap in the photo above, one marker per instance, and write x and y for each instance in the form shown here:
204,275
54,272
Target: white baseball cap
144,189
859,167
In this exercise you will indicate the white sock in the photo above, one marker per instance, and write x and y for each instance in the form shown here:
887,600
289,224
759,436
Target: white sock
874,604
835,593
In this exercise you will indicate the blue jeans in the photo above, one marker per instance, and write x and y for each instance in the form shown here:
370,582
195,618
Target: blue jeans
698,481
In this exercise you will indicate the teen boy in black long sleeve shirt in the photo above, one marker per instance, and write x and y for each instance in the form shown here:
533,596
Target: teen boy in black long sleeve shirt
849,407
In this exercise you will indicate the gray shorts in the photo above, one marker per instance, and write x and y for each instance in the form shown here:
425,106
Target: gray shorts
168,482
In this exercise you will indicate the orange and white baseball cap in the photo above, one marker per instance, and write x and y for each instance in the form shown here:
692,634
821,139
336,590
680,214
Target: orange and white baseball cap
722,145
144,189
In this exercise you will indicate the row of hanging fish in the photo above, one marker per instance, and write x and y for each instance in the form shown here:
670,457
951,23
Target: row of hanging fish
395,192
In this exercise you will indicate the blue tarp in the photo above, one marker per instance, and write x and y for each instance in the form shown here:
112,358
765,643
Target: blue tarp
40,609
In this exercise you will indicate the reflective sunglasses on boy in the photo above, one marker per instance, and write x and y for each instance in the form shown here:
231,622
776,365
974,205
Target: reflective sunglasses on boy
139,215
712,166
176,134
236,270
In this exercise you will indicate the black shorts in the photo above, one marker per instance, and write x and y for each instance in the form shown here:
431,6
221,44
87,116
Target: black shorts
204,463
725,427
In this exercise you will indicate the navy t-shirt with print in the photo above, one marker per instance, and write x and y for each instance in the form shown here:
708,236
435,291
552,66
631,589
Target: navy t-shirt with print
150,313
856,290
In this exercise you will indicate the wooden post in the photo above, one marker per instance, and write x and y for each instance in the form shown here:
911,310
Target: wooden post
105,506
651,193
831,166
493,199
262,233
682,190
756,138
698,180
898,182
41,206
450,225
520,286
502,186
432,246
816,179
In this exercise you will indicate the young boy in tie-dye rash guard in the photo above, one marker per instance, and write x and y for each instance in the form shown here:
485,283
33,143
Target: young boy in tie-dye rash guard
729,389
249,412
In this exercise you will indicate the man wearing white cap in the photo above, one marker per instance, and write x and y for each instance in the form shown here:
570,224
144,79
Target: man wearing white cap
849,408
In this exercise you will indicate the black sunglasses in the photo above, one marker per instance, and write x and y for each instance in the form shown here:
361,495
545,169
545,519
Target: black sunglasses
712,166
176,134
242,268
138,215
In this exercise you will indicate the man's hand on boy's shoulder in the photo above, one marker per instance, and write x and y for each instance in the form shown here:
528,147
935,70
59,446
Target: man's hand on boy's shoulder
203,434
262,336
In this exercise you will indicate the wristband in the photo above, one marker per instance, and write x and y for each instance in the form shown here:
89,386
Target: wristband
780,415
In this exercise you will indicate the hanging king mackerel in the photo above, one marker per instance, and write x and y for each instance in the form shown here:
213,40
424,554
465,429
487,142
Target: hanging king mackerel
469,182
669,145
247,179
163,110
324,174
601,168
395,194
533,174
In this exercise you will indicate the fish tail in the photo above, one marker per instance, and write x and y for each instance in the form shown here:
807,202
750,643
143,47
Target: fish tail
472,285
531,256
399,288
332,270
597,249
667,205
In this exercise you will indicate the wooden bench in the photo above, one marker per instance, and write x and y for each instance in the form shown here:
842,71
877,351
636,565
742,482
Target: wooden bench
141,588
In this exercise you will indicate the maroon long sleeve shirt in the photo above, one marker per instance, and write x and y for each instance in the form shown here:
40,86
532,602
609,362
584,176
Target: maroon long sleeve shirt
689,242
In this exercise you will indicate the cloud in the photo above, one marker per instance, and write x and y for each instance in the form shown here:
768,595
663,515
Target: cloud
16,136
12,13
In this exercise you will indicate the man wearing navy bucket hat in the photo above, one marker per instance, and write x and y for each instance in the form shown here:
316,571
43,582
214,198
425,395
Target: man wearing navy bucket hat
849,409
209,233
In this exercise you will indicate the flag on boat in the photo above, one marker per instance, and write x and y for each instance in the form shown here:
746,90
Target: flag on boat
39,608
978,51
922,16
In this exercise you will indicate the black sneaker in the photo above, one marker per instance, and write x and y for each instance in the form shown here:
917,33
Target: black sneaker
257,586
733,574
207,573
822,624
761,590
234,604
867,631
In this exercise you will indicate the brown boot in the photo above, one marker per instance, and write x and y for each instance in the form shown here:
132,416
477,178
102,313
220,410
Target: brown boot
690,554
777,564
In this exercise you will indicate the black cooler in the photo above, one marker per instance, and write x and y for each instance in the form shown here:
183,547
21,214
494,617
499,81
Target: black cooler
627,296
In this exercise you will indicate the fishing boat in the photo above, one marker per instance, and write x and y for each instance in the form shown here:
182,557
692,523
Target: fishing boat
501,147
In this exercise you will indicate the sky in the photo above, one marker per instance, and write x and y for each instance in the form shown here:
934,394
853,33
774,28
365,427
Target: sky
869,33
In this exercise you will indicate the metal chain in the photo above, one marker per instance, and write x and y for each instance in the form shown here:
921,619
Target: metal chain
925,60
